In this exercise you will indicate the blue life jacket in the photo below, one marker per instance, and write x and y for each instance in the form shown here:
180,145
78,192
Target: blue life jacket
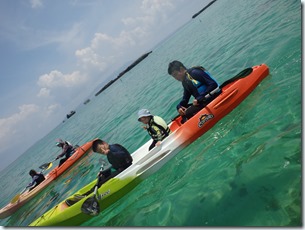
199,85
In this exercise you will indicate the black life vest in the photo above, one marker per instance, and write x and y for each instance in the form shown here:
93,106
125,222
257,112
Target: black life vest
40,178
70,150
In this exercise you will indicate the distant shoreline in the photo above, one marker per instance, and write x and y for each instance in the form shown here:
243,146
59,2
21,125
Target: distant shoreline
124,71
199,12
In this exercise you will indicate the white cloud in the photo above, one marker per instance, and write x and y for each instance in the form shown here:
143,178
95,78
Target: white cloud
36,3
129,21
64,89
19,125
21,129
10,125
44,92
51,109
29,37
90,57
56,79
106,50
154,7
103,51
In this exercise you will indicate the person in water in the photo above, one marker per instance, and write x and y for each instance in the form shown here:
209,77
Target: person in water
155,126
37,178
117,156
196,82
67,150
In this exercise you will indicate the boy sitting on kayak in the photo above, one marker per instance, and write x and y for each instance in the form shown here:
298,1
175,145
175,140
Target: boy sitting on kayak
196,82
37,178
118,157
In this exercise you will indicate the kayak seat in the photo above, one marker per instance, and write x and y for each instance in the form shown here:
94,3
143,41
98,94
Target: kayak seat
79,196
74,200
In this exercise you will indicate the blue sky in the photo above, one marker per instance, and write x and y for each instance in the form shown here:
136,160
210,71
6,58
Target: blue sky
54,53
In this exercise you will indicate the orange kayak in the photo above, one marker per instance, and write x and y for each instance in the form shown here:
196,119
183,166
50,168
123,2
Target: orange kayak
234,91
11,208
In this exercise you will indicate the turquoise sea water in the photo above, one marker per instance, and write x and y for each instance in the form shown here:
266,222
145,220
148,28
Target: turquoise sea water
245,171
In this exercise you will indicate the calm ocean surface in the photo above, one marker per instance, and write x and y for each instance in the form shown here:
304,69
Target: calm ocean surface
245,171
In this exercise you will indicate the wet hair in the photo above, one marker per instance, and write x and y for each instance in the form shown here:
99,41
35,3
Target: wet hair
174,66
95,143
32,172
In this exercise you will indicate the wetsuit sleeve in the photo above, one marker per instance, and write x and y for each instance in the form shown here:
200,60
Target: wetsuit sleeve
33,181
205,78
186,97
64,150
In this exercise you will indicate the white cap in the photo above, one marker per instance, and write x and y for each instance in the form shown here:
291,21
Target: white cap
143,113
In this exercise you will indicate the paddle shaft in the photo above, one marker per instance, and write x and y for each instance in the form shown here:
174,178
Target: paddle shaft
90,205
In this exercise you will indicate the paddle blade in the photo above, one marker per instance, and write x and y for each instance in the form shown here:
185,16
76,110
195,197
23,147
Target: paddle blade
91,206
46,166
15,198
50,165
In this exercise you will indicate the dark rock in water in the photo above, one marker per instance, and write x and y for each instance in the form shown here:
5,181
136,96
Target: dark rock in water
202,199
243,192
70,114
248,145
233,185
238,167
136,62
87,101
272,205
199,12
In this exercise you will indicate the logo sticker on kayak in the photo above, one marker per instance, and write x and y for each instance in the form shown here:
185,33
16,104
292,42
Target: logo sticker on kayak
204,118
104,194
